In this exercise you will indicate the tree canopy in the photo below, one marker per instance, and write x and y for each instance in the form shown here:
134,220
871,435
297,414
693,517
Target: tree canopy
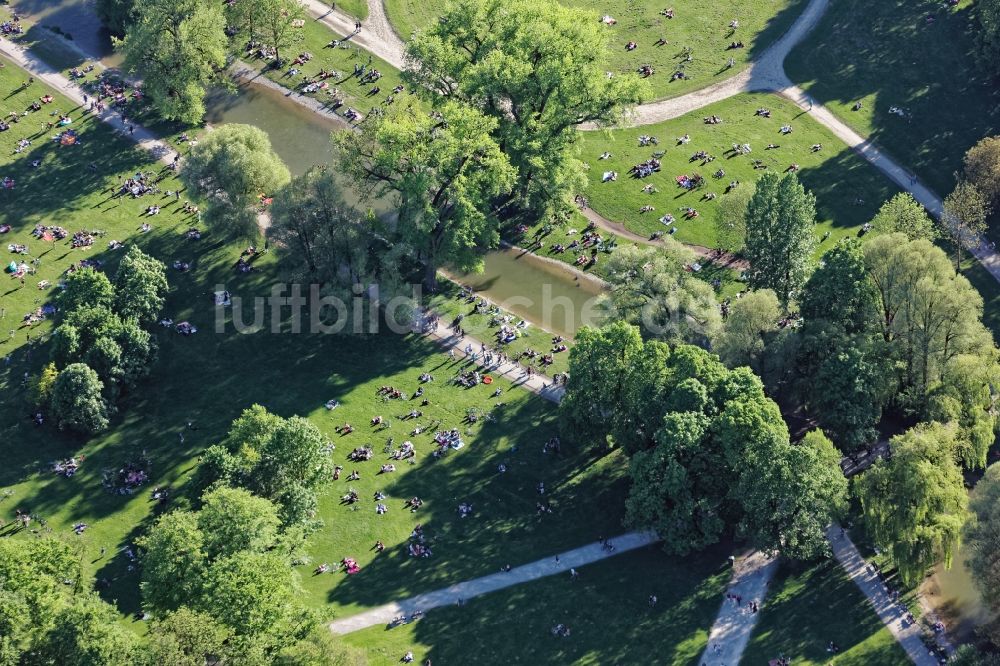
652,288
982,536
537,69
779,238
445,170
77,401
982,166
915,504
701,438
233,167
178,47
282,460
903,214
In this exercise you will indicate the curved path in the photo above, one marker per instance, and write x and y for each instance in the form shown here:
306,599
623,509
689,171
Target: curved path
766,74
376,33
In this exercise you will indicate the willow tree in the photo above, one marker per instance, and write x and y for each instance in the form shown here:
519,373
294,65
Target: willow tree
233,166
445,171
537,68
915,505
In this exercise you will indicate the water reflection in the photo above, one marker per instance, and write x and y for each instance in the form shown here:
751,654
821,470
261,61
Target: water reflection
539,291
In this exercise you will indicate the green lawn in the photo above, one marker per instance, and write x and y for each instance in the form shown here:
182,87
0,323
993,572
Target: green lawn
606,610
342,59
449,304
848,190
887,54
702,25
209,378
357,8
807,607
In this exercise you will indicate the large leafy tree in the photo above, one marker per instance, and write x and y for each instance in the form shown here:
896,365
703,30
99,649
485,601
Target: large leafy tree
982,536
982,168
750,324
233,520
88,632
86,287
186,638
700,438
839,291
652,287
904,215
324,239
178,47
966,210
779,242
925,312
849,390
252,593
446,169
965,397
233,166
77,402
598,360
283,460
538,69
792,494
915,504
173,561
140,286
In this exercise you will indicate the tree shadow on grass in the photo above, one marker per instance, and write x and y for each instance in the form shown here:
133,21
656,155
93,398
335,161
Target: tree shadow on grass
775,28
823,605
606,611
927,68
585,489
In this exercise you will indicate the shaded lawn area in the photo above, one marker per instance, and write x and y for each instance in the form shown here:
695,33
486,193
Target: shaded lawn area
606,610
208,378
702,25
342,59
810,605
848,190
887,54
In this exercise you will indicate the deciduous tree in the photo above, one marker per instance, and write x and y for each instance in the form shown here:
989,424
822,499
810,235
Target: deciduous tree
178,47
982,165
653,288
904,215
780,220
445,170
747,328
539,70
915,504
233,166
140,286
77,402
965,212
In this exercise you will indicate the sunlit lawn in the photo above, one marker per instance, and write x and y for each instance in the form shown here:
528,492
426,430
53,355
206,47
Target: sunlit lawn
702,25
848,190
210,377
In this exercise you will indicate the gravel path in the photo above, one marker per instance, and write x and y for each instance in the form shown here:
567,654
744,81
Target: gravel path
449,596
734,624
892,614
376,33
